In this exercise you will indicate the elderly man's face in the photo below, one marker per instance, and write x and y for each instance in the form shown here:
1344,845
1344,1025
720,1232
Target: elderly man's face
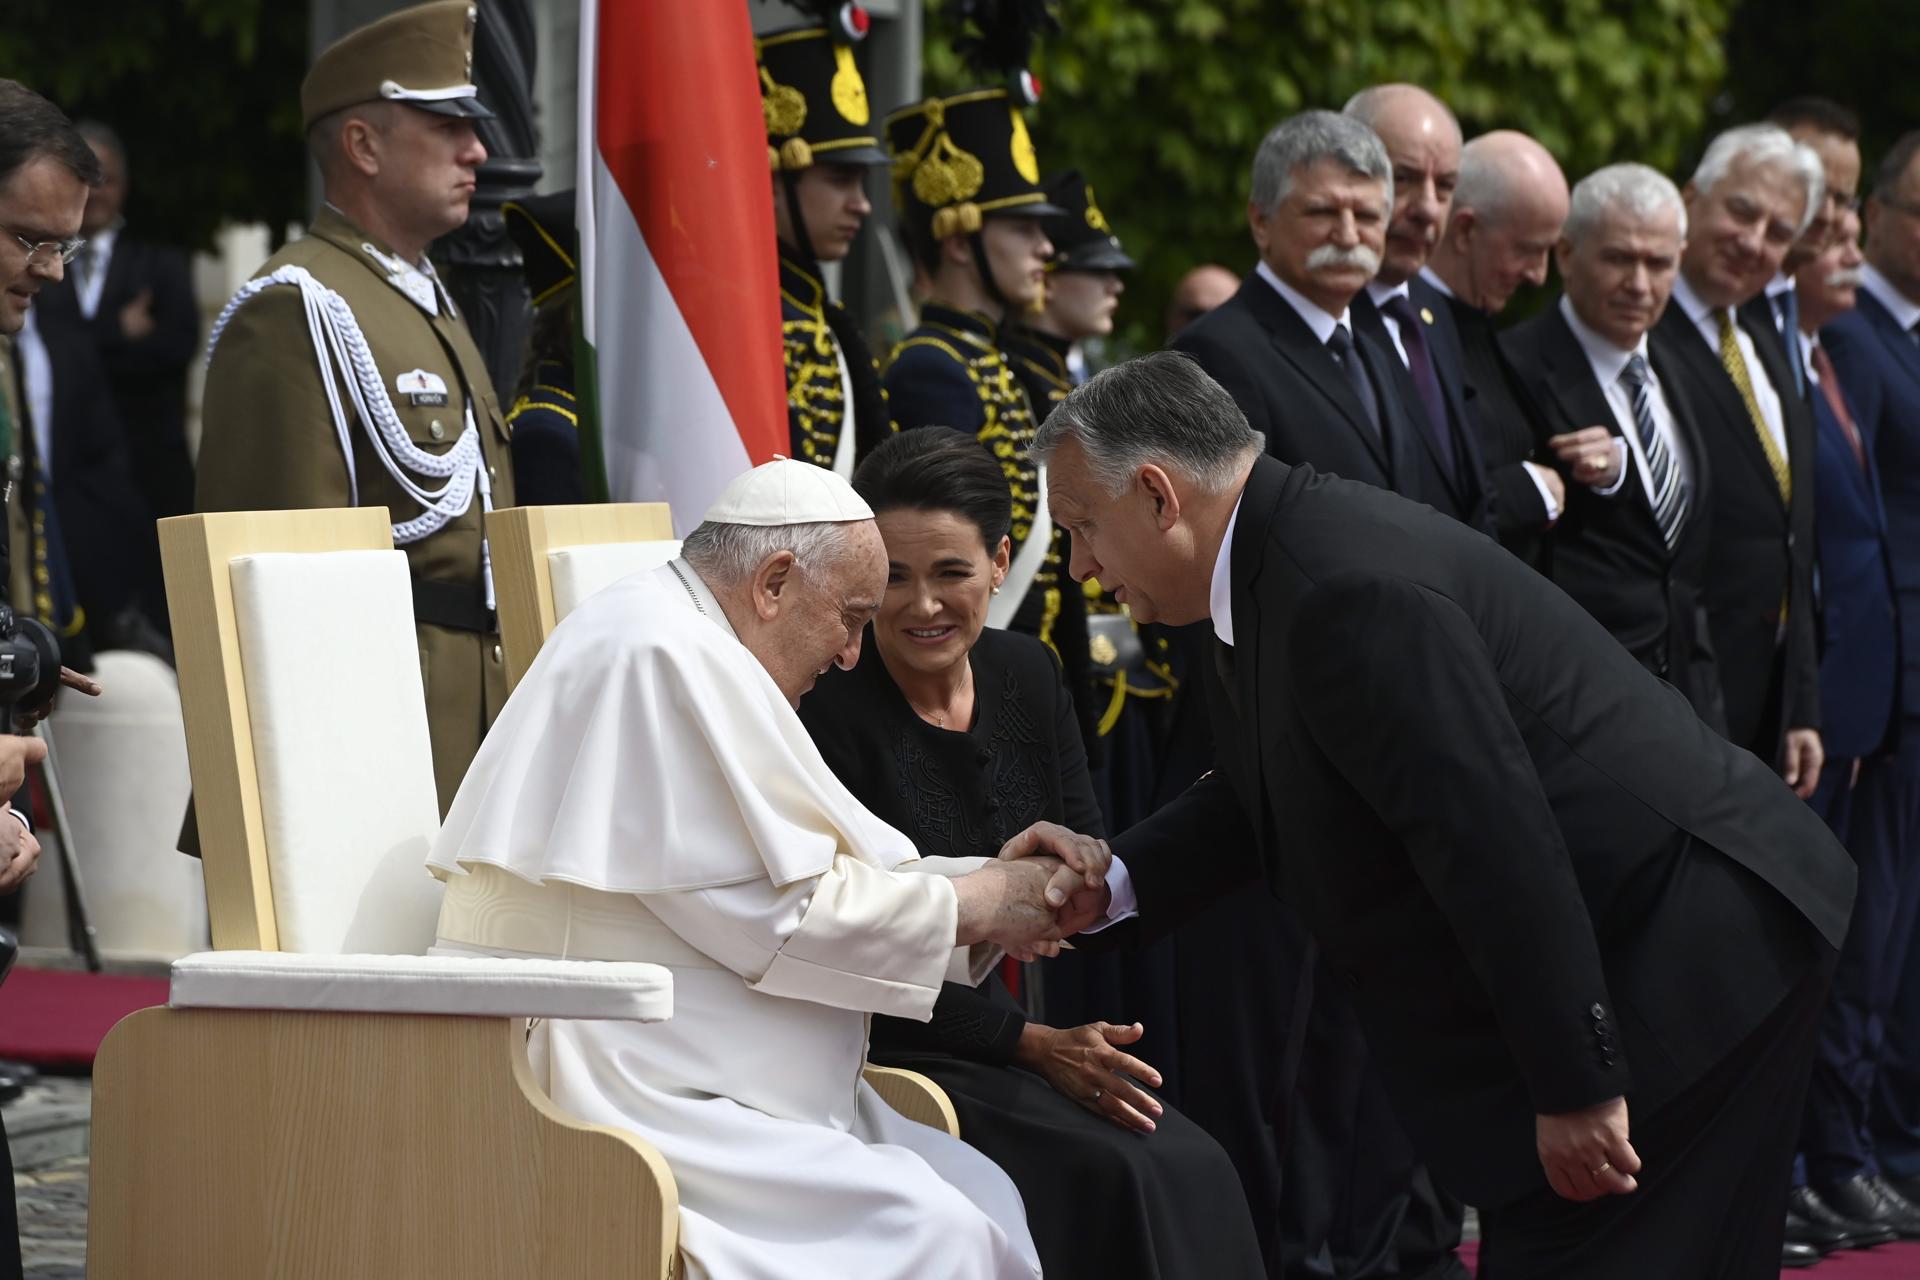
1619,276
1828,283
42,201
1117,539
1424,146
1740,230
823,611
1325,239
1511,248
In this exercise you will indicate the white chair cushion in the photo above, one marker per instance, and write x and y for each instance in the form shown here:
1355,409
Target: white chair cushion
580,571
340,743
474,986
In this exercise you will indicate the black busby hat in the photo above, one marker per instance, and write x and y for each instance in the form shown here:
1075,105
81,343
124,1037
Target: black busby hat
1082,240
812,94
543,228
960,159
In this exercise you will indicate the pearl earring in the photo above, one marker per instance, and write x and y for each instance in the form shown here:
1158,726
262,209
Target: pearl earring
996,588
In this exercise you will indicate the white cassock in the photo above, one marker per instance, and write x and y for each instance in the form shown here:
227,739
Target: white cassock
648,794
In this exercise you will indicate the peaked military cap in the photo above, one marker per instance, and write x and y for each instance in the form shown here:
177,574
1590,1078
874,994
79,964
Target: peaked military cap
543,228
421,56
1082,240
961,159
813,96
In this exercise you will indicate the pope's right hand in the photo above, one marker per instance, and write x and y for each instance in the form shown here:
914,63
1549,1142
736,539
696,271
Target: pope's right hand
1005,902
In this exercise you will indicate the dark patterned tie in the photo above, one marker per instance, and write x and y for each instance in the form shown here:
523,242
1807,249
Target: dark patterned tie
1669,490
1426,380
1347,356
1786,305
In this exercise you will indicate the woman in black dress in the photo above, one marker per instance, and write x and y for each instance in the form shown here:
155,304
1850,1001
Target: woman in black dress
961,737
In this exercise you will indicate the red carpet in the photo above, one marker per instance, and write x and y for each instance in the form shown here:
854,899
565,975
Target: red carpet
56,1019
1888,1262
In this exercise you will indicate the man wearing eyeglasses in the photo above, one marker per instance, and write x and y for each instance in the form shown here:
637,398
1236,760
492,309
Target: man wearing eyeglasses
45,171
344,375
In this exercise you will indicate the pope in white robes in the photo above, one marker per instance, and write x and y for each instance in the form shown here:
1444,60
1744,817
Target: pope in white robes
648,794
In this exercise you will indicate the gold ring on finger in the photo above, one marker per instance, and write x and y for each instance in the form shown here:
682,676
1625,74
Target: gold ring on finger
1604,1166
1097,1095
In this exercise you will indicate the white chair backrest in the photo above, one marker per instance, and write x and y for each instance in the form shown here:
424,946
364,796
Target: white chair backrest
332,673
580,571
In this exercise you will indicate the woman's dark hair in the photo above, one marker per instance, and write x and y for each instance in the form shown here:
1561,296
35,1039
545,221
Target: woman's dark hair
939,469
31,127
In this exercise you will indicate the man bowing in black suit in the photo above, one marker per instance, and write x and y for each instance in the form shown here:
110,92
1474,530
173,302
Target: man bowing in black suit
1560,900
1753,193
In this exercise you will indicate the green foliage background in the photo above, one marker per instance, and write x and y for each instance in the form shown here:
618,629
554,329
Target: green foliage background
205,93
1162,102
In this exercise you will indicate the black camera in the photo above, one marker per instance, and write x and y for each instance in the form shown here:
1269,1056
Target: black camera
29,665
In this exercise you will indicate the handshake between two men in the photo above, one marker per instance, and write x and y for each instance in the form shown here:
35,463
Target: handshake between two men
1047,884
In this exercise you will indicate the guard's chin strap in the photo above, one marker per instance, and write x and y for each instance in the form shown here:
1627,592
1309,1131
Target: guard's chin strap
345,359
977,241
802,245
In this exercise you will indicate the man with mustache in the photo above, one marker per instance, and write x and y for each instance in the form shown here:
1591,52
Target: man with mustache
1285,1084
1754,193
1408,316
294,418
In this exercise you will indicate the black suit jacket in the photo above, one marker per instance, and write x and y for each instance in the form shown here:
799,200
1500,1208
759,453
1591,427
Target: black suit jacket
1457,487
1608,551
1648,895
1285,380
1761,550
1511,431
148,376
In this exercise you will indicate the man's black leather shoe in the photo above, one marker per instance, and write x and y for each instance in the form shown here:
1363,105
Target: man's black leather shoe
1868,1200
1797,1255
1814,1235
1861,1235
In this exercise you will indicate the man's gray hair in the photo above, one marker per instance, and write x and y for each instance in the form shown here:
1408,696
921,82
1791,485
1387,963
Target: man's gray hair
1767,145
1485,184
724,554
1634,189
1160,408
1299,141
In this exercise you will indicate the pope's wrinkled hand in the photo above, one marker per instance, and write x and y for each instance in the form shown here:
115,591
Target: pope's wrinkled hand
1084,859
1006,902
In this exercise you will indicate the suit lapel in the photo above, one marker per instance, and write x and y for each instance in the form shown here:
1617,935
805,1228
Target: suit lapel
1391,370
1710,377
1296,344
1450,366
114,293
1258,504
1905,351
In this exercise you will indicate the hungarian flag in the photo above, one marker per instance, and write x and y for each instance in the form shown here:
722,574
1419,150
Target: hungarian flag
679,281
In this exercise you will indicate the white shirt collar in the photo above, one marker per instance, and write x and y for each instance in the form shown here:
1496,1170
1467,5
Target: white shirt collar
1381,292
1905,311
1431,277
1690,303
1781,283
1607,360
1317,318
1220,593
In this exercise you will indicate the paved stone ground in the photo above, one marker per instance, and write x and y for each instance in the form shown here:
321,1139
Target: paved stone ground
47,1130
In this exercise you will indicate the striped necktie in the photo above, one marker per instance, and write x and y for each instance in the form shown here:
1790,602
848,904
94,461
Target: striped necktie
1669,490
1736,367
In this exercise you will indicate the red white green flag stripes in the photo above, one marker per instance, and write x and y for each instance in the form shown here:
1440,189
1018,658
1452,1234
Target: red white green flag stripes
680,303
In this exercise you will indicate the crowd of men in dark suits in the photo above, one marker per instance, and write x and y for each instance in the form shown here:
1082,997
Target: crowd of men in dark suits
1710,440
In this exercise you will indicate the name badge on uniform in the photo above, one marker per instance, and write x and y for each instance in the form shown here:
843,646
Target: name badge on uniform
422,388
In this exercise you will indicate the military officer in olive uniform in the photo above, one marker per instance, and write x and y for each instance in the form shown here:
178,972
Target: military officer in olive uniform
389,403
967,191
821,144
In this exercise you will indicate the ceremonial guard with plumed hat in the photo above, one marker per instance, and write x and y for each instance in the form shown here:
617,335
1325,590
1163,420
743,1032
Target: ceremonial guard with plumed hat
343,375
821,144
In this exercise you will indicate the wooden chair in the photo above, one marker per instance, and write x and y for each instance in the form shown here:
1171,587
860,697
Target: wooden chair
321,1099
546,560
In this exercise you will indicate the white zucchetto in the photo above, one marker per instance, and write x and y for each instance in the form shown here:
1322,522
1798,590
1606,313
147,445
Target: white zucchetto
786,492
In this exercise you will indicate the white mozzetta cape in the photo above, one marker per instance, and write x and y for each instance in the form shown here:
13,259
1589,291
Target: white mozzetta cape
648,751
